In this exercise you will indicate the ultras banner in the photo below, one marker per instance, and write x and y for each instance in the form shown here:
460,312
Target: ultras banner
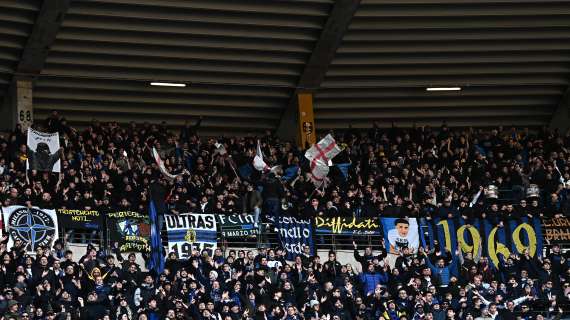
80,219
130,229
484,237
557,230
33,227
190,231
294,234
347,225
237,225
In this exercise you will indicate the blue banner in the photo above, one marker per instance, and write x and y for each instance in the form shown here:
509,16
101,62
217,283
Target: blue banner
483,238
295,234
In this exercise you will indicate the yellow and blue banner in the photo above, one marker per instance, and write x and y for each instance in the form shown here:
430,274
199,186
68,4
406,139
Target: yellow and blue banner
481,237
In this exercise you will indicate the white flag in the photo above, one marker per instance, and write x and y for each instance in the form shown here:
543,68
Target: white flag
258,162
43,151
320,154
220,149
161,166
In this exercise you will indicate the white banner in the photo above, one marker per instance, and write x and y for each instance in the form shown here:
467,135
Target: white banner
35,227
43,151
190,231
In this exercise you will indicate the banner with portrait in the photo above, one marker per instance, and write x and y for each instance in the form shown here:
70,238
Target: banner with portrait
130,229
33,227
43,151
400,233
237,225
79,219
191,231
483,237
557,230
294,234
347,225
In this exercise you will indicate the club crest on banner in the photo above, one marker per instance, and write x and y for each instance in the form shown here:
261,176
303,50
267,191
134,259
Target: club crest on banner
129,228
190,236
33,226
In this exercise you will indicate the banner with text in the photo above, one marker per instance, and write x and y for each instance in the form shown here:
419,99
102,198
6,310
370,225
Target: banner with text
191,231
557,230
237,225
32,227
294,234
347,225
483,237
79,219
130,229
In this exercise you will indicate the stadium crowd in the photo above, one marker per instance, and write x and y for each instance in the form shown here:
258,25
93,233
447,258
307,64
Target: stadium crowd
415,172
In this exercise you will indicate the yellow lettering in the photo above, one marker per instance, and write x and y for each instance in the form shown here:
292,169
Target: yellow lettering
496,248
337,224
531,239
475,248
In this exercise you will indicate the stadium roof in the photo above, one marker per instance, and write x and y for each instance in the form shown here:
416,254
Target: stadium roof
244,60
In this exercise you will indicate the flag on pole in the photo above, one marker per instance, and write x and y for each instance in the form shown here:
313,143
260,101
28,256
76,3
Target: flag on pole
220,149
320,154
344,167
258,162
156,261
161,166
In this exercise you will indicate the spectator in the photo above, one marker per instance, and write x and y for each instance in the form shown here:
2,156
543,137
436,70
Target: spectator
419,172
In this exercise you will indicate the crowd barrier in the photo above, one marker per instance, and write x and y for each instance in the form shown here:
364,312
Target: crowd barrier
131,230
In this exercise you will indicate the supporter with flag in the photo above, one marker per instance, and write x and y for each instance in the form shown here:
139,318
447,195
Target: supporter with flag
320,155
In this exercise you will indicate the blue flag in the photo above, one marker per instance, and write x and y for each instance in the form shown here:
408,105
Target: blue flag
343,167
156,261
290,173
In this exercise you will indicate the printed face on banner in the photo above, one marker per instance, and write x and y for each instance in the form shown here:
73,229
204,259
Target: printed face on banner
188,232
34,227
43,151
401,233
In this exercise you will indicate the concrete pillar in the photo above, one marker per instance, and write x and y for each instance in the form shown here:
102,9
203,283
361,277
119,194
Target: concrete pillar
298,121
306,122
17,106
23,102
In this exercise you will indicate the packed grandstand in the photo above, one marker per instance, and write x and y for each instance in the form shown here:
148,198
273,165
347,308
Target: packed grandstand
487,179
